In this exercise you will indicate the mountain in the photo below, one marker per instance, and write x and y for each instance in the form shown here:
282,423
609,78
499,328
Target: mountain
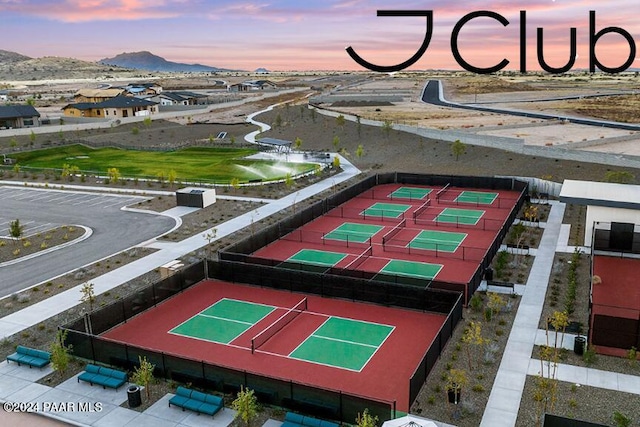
54,67
8,57
147,61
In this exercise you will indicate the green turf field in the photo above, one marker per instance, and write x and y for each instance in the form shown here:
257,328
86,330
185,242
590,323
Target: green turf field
224,321
343,343
189,164
353,232
480,197
444,241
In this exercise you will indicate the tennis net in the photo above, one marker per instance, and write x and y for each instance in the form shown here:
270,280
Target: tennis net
395,230
360,259
278,324
442,191
423,207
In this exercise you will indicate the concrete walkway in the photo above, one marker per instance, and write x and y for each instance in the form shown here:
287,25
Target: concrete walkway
506,394
504,400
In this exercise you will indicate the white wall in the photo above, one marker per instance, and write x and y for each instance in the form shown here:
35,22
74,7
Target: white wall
607,215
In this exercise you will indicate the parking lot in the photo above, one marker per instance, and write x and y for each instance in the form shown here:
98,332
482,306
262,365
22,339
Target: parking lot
114,229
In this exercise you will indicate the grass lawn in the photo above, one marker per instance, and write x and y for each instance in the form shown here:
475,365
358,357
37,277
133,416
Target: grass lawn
190,164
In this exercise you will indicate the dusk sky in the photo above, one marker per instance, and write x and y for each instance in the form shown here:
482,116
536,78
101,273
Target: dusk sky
308,34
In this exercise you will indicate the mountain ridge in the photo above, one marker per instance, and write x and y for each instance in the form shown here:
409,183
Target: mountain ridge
145,60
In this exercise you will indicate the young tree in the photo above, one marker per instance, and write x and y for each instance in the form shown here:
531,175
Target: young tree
387,127
88,294
143,374
336,142
336,162
171,177
366,419
235,183
359,151
458,148
32,137
147,122
232,139
246,405
60,353
288,180
297,143
16,229
278,122
113,174
211,237
472,336
340,121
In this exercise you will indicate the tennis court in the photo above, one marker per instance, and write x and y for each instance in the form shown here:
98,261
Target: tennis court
317,257
410,193
353,232
414,269
445,241
460,216
343,343
478,197
386,210
223,321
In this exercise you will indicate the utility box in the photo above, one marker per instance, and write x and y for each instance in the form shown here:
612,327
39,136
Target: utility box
195,197
170,268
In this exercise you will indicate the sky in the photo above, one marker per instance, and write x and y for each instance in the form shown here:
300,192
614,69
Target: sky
312,34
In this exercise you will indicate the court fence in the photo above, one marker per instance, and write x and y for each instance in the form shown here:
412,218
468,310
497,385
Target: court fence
241,250
325,403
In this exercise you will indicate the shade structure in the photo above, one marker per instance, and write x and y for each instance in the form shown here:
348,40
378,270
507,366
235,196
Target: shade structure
409,421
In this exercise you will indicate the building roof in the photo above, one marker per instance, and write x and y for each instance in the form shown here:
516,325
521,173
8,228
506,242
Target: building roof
274,141
116,102
98,93
15,111
124,102
590,193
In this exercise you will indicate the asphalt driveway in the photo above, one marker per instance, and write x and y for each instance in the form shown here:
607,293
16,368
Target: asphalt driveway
114,230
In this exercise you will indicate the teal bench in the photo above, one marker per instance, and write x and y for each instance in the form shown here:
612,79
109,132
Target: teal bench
106,377
291,419
30,357
196,401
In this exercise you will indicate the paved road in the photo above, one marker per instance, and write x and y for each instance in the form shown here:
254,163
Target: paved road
113,230
432,94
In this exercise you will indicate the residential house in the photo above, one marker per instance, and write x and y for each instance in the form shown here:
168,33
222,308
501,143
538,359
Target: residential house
252,85
18,116
178,98
118,107
96,95
143,89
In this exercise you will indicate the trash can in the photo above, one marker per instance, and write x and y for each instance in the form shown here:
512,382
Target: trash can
578,345
133,396
488,274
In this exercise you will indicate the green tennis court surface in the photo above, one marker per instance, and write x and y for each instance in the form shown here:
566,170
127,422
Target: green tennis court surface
444,241
387,210
410,193
460,216
480,197
353,232
420,270
343,343
224,321
315,257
